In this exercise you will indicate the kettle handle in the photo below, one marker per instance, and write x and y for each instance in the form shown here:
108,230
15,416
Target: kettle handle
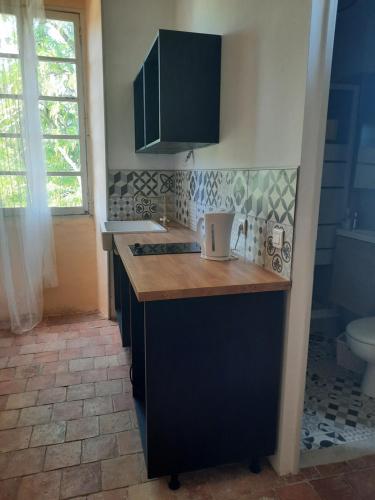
201,233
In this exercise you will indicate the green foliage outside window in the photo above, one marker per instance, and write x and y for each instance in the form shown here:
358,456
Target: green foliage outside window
57,79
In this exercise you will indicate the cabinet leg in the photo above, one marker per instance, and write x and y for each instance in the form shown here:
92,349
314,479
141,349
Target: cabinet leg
255,466
174,483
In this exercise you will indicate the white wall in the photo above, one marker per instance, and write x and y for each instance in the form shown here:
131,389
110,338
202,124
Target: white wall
129,28
264,64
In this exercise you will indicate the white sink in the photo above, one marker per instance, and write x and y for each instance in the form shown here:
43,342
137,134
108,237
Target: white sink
109,228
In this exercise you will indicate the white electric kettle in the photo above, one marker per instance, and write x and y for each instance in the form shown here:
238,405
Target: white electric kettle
216,235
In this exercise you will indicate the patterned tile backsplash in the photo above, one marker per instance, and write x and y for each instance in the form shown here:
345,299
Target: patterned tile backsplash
264,197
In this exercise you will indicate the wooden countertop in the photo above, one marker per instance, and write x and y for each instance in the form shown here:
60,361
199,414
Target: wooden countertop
178,276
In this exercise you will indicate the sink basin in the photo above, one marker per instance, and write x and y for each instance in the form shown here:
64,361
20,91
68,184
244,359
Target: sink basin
109,228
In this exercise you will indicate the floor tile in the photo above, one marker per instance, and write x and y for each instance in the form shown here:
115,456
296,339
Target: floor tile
3,402
35,415
80,480
301,491
334,488
9,488
123,402
43,486
28,371
91,351
115,422
14,439
80,391
22,400
363,483
67,411
23,462
70,354
106,361
97,406
120,472
52,395
20,360
82,428
96,375
362,462
108,387
7,374
55,367
40,382
63,455
8,419
115,372
99,448
12,386
152,490
119,494
65,379
48,434
129,442
77,365
333,469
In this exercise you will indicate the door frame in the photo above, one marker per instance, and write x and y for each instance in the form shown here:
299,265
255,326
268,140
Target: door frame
297,323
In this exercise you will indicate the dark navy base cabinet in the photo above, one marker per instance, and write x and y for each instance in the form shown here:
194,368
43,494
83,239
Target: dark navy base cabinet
122,299
206,379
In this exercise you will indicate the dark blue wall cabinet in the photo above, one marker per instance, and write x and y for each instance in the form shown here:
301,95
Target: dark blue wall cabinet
177,93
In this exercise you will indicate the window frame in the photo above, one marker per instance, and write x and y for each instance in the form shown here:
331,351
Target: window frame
74,17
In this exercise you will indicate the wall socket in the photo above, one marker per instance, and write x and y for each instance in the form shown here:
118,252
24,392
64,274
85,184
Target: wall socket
277,237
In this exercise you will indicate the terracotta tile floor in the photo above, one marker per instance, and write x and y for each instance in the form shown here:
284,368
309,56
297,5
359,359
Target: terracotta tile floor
68,429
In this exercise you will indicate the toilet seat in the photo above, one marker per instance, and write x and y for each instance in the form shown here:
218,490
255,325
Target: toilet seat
362,330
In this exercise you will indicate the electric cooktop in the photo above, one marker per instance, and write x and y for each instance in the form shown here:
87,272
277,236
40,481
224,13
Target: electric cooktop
164,248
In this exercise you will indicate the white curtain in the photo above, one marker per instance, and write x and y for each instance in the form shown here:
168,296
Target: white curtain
27,258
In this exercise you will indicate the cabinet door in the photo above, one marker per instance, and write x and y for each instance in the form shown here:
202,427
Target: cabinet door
138,347
139,111
122,299
212,380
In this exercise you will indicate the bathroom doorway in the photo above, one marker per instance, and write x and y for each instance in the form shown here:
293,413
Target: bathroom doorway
339,409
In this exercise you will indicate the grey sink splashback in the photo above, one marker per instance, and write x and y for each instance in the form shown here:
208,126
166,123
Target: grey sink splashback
266,197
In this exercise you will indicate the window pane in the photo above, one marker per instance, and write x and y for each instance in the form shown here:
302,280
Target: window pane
62,155
57,79
10,116
54,38
8,34
64,191
11,156
10,76
13,191
59,117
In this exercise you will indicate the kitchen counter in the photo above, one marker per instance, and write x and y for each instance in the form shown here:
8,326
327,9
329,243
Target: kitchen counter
178,276
216,341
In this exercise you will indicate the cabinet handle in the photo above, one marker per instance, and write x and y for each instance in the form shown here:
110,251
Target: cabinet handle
131,374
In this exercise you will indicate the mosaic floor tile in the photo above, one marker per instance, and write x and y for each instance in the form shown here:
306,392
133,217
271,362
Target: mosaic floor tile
335,410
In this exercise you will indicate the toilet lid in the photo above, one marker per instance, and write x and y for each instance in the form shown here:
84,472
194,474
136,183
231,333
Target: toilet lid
362,330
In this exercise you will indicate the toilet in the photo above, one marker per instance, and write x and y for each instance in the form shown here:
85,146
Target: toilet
361,340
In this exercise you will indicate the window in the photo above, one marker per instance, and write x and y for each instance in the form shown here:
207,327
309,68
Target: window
61,107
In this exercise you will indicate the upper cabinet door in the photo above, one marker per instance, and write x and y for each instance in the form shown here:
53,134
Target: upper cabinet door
181,93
